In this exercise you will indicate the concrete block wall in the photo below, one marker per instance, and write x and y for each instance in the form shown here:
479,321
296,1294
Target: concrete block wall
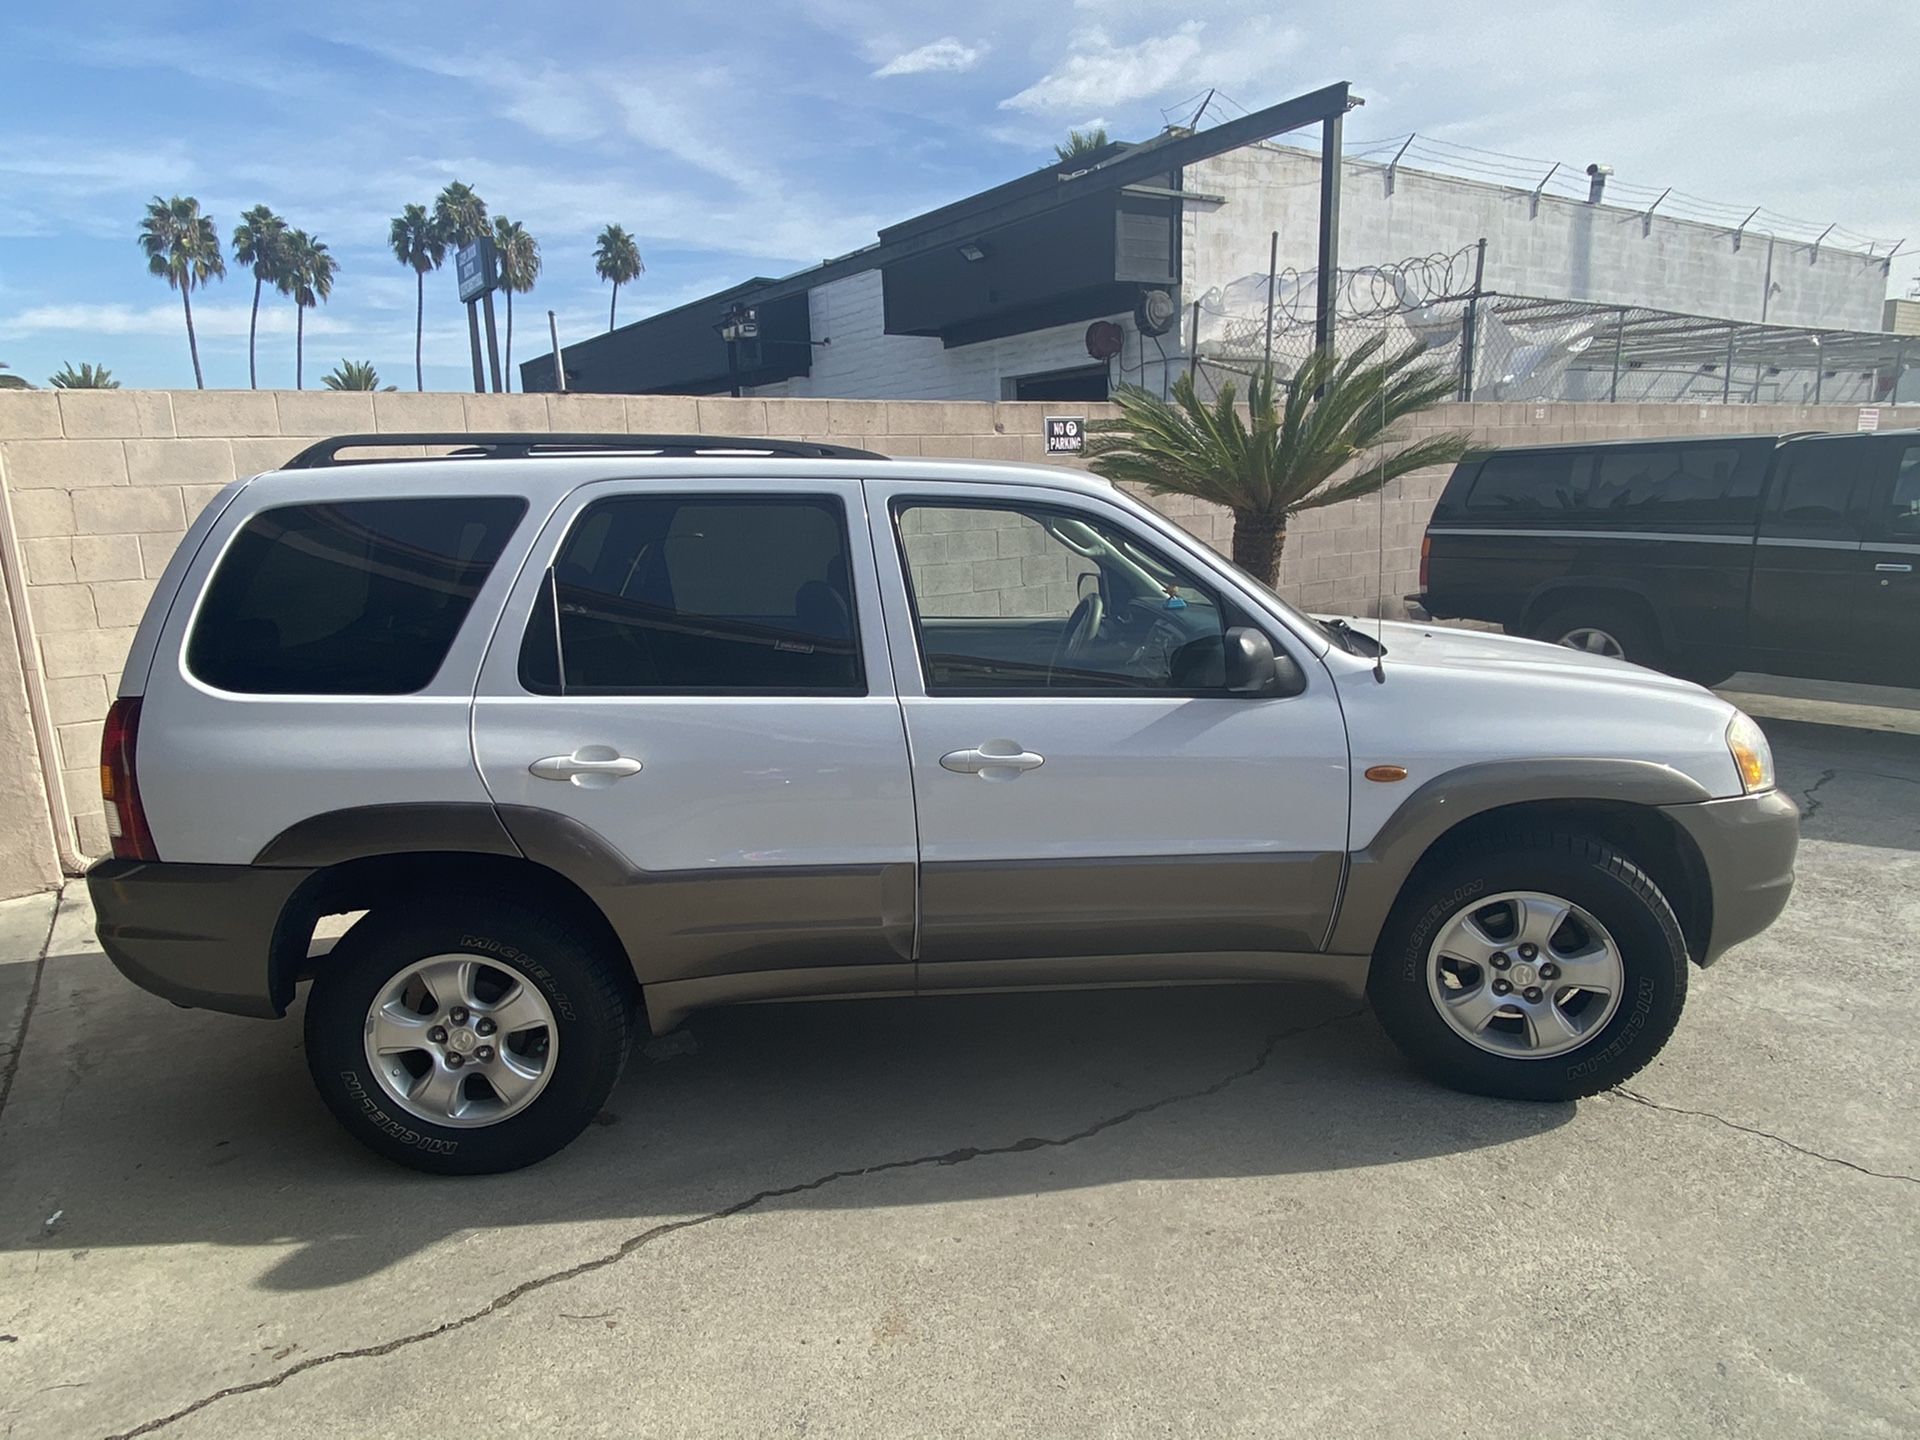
100,485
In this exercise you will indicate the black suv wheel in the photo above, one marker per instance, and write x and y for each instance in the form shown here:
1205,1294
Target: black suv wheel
477,1038
1546,967
1601,627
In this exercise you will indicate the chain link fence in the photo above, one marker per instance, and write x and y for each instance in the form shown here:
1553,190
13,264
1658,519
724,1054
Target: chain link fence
1532,348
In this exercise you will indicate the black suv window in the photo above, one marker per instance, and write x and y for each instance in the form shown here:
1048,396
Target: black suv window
702,594
1529,482
1902,519
1658,485
362,597
1033,599
1816,488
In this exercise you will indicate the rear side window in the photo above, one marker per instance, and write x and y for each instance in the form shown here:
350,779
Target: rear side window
1656,485
698,594
1814,494
1525,482
362,597
1903,517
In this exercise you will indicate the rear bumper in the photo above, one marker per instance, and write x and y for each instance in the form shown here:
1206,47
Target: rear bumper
198,935
1748,844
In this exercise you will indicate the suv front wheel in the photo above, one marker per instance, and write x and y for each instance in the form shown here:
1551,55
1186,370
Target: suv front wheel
1548,967
475,1039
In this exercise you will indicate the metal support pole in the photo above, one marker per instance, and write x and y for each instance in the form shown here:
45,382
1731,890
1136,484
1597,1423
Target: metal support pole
1273,269
1619,340
733,368
493,342
1394,164
1332,127
1470,323
1726,379
473,341
559,362
1743,226
1193,344
1819,369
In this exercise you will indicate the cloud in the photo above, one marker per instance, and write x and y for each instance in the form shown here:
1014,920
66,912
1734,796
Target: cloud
1100,74
946,56
209,321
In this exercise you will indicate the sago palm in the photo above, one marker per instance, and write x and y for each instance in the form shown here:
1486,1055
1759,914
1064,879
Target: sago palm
616,258
418,243
353,375
309,280
1082,143
257,242
519,255
85,376
1277,459
183,248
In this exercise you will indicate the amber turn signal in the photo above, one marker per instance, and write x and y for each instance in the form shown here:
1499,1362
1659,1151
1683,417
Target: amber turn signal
1386,774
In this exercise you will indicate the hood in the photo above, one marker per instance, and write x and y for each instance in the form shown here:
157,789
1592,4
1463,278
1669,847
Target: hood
1443,647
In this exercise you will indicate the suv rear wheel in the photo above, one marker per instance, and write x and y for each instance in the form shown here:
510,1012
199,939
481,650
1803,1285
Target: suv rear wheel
1600,627
1545,968
475,1039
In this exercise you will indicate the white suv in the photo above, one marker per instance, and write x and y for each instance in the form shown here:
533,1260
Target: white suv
599,730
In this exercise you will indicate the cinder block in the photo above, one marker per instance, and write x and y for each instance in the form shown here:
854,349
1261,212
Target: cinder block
85,652
128,510
662,414
856,417
943,580
173,462
29,415
156,551
116,414
81,782
90,833
1026,600
39,513
897,445
587,414
80,746
106,557
77,698
789,417
926,549
433,410
59,609
506,414
973,545
259,456
63,464
724,415
49,560
996,574
998,447
324,412
225,413
947,447
122,602
195,498
939,417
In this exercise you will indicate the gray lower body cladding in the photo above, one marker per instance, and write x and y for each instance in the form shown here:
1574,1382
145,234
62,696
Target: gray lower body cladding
1748,845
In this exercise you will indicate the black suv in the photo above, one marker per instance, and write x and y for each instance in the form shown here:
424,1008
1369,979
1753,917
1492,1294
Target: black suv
1790,554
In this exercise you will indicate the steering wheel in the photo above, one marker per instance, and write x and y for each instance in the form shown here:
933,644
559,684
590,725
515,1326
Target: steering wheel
1082,625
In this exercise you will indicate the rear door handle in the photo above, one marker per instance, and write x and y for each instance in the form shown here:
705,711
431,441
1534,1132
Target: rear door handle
1894,569
591,767
993,760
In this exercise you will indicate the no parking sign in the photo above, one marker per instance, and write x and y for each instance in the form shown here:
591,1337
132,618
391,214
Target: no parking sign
1066,434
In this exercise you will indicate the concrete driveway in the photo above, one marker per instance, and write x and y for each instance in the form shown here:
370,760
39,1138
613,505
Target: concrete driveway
1225,1211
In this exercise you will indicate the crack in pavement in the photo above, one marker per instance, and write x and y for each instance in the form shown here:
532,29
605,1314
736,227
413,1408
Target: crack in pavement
1637,1098
1810,807
635,1243
26,1011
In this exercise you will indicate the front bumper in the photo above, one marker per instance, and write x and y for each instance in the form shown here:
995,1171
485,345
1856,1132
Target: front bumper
1748,844
198,935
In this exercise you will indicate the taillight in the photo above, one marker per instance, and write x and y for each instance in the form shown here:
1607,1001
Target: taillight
1426,554
120,787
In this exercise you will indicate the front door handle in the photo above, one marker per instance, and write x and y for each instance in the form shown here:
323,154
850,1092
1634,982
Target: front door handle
591,767
1886,569
992,760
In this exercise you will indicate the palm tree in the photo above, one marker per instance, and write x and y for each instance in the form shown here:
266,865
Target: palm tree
460,214
257,240
1276,461
13,382
418,242
87,377
183,248
519,255
1082,143
309,279
353,375
616,258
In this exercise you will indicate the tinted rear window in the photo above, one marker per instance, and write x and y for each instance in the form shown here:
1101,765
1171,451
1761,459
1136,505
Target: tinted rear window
1658,485
1528,483
362,597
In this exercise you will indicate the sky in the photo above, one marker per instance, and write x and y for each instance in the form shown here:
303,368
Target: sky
753,138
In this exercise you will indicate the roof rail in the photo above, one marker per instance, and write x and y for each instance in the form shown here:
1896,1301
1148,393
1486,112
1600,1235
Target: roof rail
523,446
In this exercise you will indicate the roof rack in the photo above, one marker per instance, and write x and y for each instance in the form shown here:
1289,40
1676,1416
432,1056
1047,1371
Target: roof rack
521,447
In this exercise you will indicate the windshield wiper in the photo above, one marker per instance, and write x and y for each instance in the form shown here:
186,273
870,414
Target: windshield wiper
1358,642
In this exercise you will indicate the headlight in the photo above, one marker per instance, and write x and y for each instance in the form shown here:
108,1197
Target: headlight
1752,756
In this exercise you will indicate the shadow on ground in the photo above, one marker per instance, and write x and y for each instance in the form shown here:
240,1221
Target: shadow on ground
152,1126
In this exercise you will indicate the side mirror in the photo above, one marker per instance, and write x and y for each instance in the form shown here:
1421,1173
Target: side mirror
1254,669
